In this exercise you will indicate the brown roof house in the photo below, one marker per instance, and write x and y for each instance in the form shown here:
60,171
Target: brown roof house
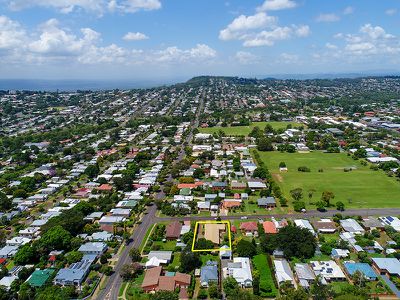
154,281
325,226
173,230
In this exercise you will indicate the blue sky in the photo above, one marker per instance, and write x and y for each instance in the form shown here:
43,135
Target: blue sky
140,39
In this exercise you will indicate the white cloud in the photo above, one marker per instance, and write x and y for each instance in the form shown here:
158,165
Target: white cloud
348,10
94,6
391,11
176,55
52,43
289,58
131,6
260,29
375,32
246,58
302,30
268,38
331,46
237,28
327,18
135,36
11,33
276,5
371,40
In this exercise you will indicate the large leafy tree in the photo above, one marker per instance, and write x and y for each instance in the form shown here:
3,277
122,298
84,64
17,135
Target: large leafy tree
164,295
296,242
56,238
246,249
5,202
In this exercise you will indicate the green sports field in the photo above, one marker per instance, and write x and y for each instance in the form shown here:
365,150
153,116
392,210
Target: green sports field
245,130
361,187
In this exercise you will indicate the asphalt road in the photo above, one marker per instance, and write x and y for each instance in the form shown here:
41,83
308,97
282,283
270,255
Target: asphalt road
110,292
309,214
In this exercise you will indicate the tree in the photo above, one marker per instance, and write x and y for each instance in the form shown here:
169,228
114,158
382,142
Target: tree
299,206
92,170
296,242
134,253
56,238
230,286
198,173
203,244
20,193
214,292
282,164
320,206
246,249
74,256
320,291
164,295
326,197
360,153
340,205
260,172
297,193
264,144
126,272
5,202
189,261
25,255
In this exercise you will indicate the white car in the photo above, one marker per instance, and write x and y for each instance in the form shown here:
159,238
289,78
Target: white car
244,218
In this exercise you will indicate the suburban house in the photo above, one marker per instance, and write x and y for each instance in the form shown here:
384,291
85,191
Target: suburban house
283,272
154,281
256,185
249,228
173,230
107,222
96,248
76,273
386,266
351,225
40,277
302,223
209,274
212,232
231,203
364,268
268,202
328,270
304,274
325,226
269,227
240,270
372,223
157,258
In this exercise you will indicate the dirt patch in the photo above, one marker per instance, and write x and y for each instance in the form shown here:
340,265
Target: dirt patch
278,177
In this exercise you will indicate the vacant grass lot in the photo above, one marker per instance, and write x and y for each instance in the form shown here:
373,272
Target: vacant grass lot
362,187
245,130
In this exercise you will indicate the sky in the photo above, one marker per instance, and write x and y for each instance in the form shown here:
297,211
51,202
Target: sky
166,39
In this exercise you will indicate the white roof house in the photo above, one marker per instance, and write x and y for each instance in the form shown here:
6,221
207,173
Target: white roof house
283,272
351,225
328,270
304,224
240,270
391,221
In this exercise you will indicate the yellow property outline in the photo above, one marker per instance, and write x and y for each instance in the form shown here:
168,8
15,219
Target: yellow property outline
228,224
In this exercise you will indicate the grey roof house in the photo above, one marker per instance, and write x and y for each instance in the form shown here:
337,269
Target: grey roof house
209,274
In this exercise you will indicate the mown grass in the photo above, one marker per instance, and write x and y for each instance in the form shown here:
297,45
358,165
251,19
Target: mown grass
359,188
245,130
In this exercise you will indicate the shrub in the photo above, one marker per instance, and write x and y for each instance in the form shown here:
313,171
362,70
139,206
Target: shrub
303,169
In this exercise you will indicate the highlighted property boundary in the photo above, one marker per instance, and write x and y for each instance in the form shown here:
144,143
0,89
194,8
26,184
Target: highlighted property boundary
228,226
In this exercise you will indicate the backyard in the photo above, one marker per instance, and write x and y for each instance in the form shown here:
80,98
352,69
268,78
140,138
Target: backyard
361,187
267,285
